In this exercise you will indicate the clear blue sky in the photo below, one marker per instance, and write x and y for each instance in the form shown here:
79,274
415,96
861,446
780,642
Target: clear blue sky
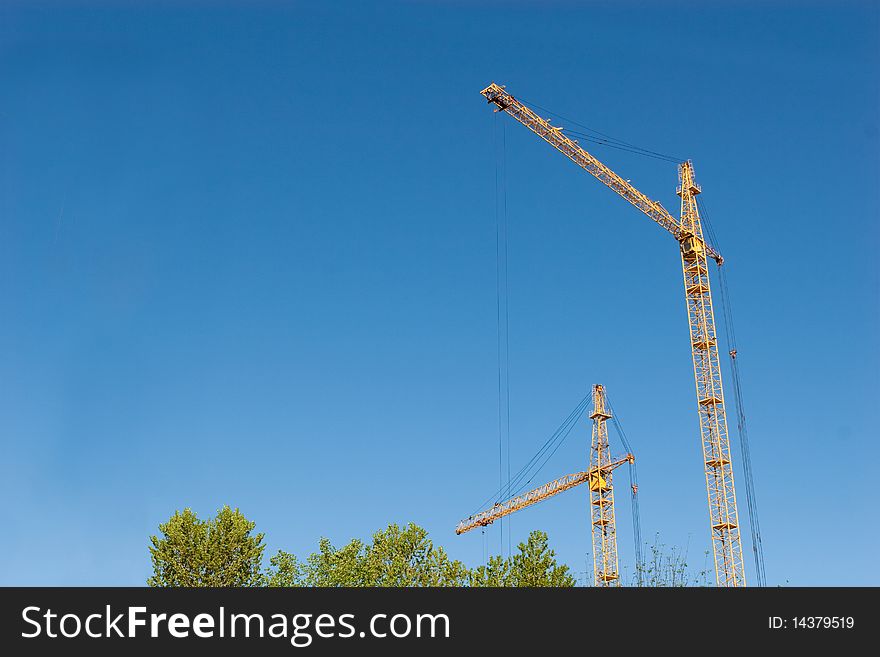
247,257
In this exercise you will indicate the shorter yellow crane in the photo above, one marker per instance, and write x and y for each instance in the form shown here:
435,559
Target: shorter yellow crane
599,479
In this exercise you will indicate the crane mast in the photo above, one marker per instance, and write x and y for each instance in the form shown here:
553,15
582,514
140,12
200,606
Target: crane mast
688,231
604,527
723,514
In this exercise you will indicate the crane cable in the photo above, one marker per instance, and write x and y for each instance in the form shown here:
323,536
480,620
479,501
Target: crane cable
534,465
634,497
562,433
742,428
502,314
602,139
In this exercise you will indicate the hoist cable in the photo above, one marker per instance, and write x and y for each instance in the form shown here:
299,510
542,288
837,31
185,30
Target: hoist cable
502,315
634,497
741,425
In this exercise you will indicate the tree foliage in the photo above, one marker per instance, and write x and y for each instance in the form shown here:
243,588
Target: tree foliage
220,551
395,557
224,551
534,565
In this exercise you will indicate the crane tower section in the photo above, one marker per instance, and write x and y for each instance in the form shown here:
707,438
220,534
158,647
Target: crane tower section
723,515
604,529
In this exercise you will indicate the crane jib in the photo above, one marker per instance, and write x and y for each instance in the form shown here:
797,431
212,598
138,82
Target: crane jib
496,94
501,509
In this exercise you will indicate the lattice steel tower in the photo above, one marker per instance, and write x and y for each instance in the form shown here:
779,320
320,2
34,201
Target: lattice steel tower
723,514
604,528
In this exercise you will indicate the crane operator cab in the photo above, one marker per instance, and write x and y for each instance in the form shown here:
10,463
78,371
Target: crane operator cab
691,247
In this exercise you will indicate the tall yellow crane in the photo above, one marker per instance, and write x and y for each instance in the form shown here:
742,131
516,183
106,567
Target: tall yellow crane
695,252
599,480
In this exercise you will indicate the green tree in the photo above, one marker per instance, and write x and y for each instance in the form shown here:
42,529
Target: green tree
285,570
330,566
496,572
534,565
225,551
407,557
221,551
396,556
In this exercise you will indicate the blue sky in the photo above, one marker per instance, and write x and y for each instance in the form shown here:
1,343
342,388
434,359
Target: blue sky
247,257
